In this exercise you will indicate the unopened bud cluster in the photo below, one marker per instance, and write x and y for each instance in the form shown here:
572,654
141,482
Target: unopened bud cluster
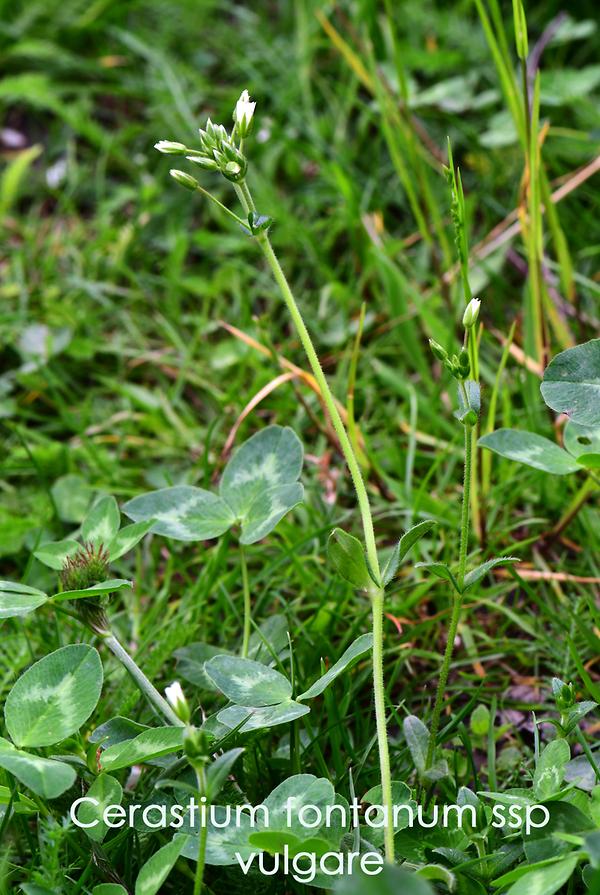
457,364
219,150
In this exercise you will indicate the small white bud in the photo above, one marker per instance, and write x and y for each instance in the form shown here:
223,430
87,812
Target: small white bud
176,699
186,180
243,114
471,313
169,147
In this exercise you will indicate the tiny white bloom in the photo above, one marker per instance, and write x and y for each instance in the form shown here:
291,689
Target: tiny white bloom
471,313
243,114
177,701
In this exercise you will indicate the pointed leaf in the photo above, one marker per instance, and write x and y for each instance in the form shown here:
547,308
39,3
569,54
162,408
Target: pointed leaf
348,556
267,509
54,697
550,769
158,867
218,772
102,522
43,776
183,513
261,717
269,458
468,410
481,571
390,881
247,682
545,880
126,539
107,791
109,889
18,599
406,543
54,553
151,744
417,740
571,383
96,590
357,649
440,570
530,449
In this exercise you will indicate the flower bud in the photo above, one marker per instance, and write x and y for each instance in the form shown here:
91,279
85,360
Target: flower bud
243,114
169,147
195,746
471,313
208,163
178,702
438,351
186,180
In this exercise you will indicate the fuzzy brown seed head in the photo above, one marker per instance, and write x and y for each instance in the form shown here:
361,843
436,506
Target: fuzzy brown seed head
87,567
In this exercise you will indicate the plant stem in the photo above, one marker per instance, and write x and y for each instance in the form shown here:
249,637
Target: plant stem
147,688
380,719
456,601
588,487
377,594
202,836
247,606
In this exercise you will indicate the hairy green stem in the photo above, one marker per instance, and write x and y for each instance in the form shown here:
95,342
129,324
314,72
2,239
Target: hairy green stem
247,606
456,601
202,835
377,595
147,688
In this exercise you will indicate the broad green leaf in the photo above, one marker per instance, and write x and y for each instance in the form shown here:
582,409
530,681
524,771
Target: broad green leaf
390,881
96,590
348,556
262,717
55,553
406,543
357,649
43,776
126,539
247,682
401,795
530,449
267,509
286,800
550,769
109,889
19,599
475,575
223,841
582,442
158,867
107,791
571,383
440,570
191,662
54,697
183,512
417,740
546,880
268,459
102,522
218,771
146,746
116,730
72,496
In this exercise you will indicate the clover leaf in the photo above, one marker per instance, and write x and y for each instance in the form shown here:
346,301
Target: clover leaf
258,487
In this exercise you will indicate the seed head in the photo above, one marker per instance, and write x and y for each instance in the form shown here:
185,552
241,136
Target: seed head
87,567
